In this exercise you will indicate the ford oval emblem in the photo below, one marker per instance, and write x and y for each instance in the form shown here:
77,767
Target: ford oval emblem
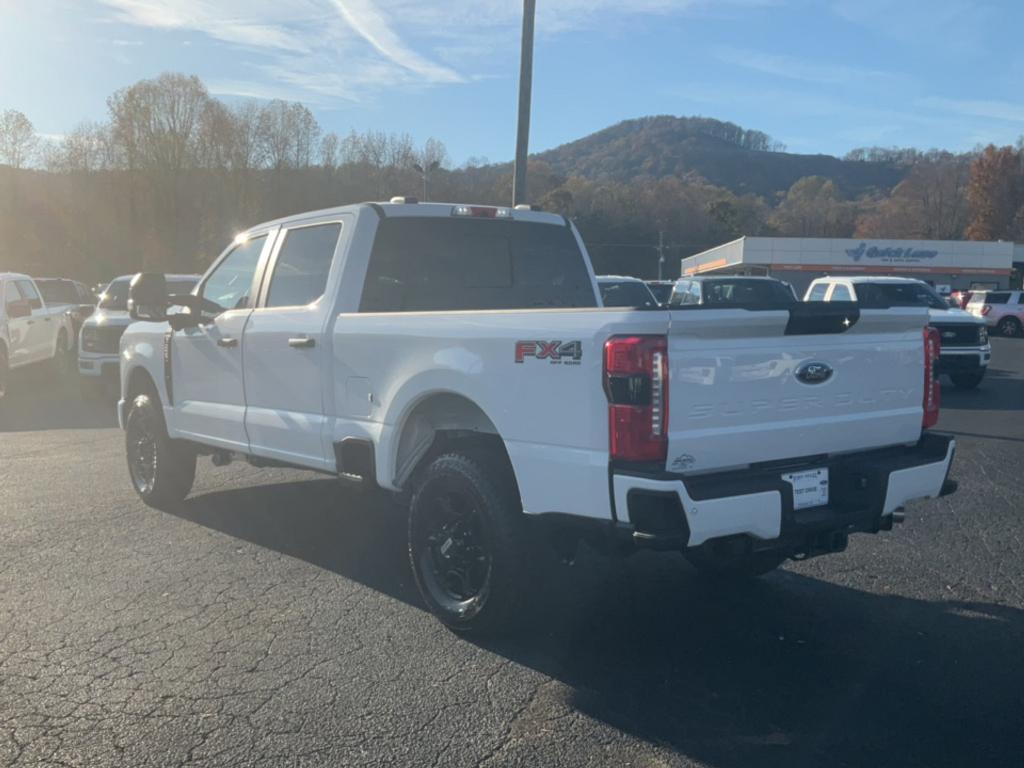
814,373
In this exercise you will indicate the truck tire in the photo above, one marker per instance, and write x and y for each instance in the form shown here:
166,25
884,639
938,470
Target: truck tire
1009,326
967,380
467,543
5,371
162,470
734,567
63,360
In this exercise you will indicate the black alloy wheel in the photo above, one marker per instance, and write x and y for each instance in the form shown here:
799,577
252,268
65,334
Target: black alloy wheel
454,558
141,438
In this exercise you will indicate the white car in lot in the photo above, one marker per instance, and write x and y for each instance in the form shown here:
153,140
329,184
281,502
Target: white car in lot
31,331
461,354
966,350
100,334
1002,311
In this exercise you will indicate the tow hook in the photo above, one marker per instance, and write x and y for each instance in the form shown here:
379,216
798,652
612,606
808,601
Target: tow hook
898,516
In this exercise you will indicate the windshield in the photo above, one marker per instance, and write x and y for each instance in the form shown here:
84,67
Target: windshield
58,291
899,295
115,296
626,293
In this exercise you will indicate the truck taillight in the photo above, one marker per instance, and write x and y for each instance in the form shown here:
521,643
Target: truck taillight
636,383
986,309
932,388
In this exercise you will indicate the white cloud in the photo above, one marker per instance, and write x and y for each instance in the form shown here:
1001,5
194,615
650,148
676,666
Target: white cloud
346,49
371,24
1006,111
796,69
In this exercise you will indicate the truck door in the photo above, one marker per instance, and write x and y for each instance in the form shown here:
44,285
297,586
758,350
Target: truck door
17,327
206,361
42,328
287,350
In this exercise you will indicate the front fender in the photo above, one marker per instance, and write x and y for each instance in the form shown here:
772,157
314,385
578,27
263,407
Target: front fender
142,349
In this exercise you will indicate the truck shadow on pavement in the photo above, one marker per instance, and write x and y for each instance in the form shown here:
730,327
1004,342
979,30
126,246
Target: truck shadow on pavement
790,670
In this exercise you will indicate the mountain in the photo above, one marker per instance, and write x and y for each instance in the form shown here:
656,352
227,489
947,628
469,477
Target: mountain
722,153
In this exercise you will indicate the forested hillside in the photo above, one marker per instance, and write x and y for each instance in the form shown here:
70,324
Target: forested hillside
724,154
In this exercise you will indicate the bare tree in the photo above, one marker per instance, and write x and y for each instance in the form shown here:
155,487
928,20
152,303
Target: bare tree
158,121
85,149
18,139
330,148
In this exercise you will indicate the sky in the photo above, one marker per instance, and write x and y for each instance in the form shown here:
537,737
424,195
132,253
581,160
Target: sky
819,75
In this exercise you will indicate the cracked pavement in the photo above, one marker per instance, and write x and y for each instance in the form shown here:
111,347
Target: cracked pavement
272,620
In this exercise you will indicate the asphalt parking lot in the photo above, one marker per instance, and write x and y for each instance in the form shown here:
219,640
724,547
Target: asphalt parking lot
272,620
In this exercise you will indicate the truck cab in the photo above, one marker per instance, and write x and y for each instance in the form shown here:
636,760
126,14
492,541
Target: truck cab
966,350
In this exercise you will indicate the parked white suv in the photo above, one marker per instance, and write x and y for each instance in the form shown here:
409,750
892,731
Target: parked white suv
100,334
461,353
966,351
30,330
1003,311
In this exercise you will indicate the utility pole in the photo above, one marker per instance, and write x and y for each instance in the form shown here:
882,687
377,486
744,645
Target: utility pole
525,89
424,173
661,253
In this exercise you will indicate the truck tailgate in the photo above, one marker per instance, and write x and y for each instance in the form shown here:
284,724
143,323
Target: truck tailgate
735,397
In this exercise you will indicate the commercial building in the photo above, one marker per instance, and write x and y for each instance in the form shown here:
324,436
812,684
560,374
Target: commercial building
946,264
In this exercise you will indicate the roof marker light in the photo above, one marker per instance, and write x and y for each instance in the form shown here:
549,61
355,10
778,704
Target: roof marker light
481,212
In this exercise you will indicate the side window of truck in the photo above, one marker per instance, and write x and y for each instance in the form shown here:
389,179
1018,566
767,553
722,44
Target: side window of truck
11,294
303,264
818,292
229,285
840,293
29,292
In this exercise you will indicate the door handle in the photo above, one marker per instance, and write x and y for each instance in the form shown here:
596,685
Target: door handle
46,319
30,322
227,341
302,342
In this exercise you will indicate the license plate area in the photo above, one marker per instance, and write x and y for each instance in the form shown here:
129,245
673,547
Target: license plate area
810,487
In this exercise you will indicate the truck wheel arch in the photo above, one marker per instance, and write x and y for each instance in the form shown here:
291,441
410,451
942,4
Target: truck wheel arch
435,421
139,381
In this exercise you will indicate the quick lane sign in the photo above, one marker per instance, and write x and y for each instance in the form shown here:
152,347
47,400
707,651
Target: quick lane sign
890,255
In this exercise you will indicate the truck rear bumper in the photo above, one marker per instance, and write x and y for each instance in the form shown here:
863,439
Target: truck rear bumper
865,489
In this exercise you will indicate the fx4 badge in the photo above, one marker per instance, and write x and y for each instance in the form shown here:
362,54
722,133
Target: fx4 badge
557,352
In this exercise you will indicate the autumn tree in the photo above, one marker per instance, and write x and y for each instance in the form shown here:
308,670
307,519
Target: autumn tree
814,207
930,203
995,194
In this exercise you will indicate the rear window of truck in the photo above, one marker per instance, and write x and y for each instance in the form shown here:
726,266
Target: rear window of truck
440,264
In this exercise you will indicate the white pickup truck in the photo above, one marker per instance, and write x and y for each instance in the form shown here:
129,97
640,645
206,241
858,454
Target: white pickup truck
30,330
461,353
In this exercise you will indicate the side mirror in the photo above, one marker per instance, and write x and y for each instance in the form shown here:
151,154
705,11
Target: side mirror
147,297
18,308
